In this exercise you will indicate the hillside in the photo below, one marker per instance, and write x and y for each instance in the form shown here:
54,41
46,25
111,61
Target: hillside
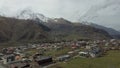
114,33
63,29
57,29
17,30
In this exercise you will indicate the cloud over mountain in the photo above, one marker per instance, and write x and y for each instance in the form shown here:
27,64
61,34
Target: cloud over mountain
103,12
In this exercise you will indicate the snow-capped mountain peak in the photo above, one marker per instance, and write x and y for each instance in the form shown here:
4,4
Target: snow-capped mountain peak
86,23
29,14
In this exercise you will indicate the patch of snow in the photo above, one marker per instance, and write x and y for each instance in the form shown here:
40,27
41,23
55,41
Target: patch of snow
29,14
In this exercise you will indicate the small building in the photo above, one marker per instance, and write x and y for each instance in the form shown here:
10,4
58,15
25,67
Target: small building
84,54
73,53
92,52
95,52
63,58
43,60
20,64
8,58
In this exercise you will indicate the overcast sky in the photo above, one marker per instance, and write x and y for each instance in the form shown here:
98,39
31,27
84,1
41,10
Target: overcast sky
104,12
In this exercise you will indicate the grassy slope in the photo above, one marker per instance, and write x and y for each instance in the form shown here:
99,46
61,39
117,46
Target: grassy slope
112,60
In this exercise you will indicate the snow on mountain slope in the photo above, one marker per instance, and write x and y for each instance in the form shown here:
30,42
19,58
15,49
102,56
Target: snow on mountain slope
29,14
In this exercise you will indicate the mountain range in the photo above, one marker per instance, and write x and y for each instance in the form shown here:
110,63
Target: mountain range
31,26
114,33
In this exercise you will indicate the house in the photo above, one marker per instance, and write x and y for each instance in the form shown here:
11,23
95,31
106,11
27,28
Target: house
63,58
8,58
43,60
18,57
74,46
20,64
1,55
71,53
88,47
93,52
84,54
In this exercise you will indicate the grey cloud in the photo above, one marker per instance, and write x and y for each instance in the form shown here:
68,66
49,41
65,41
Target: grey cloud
97,11
92,12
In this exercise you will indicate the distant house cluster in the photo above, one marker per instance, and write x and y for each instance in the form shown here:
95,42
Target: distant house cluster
22,57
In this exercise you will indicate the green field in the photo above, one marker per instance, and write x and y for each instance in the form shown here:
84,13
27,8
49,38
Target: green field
111,60
56,53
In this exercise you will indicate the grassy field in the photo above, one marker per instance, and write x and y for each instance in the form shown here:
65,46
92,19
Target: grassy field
111,60
55,53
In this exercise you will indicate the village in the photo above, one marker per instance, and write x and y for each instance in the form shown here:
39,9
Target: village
44,55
